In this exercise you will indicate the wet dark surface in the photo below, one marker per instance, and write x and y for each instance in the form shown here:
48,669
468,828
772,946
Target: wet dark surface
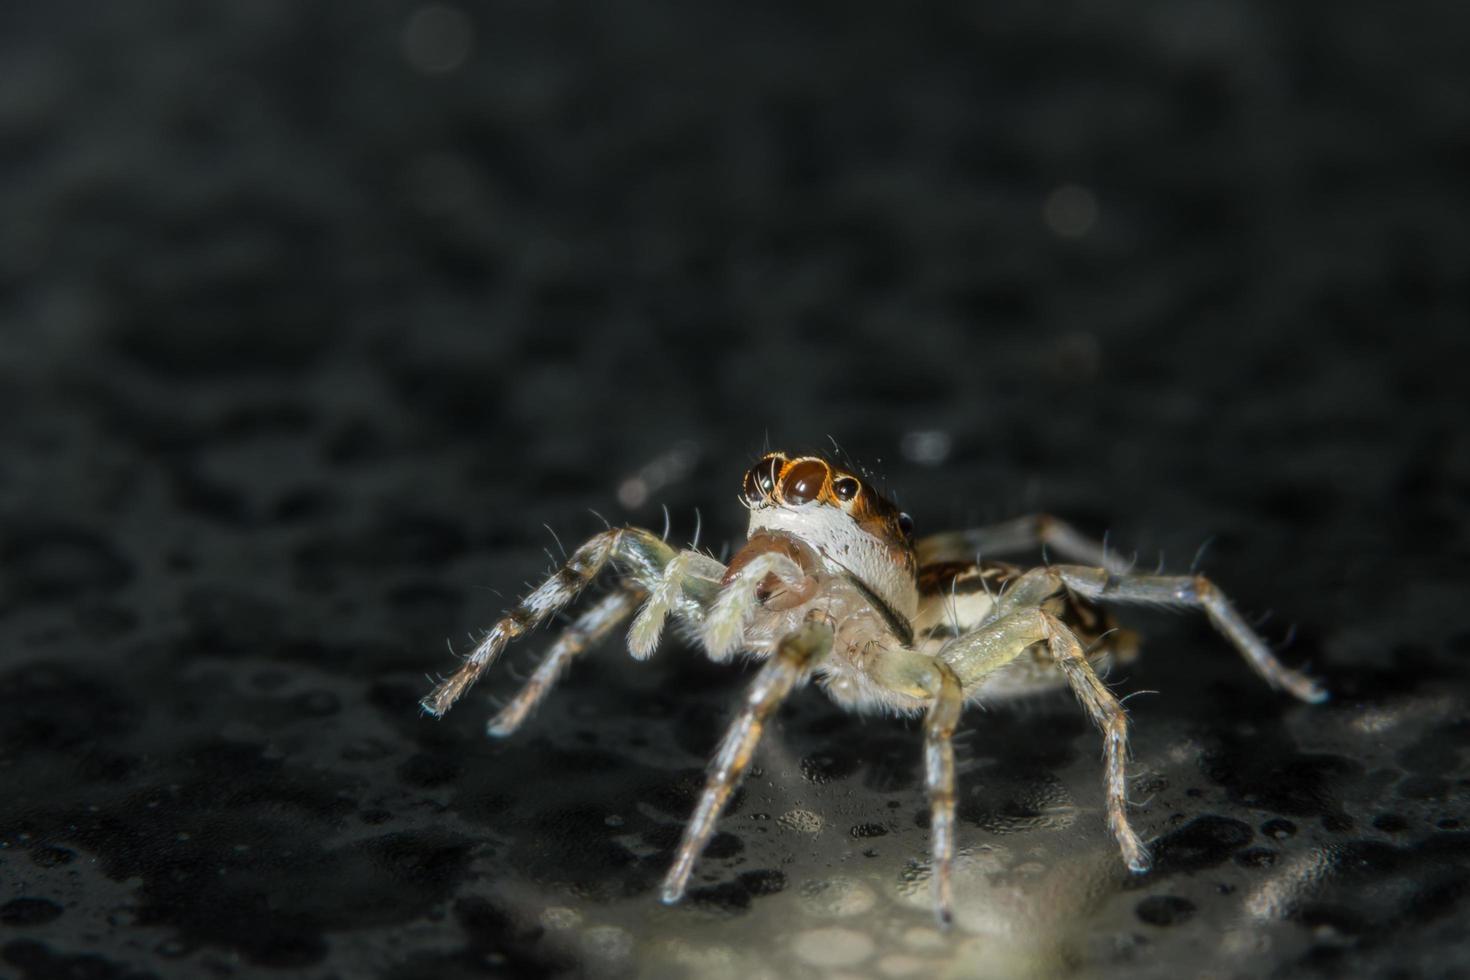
312,316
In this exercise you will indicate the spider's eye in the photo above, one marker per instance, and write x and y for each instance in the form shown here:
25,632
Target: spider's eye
906,525
760,480
846,488
803,482
751,489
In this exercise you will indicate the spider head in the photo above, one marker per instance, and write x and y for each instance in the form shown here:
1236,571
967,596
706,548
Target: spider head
831,509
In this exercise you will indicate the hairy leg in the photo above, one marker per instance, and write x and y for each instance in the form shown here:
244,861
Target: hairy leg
688,583
927,678
1197,592
1108,715
794,655
977,655
1019,534
724,624
589,628
641,552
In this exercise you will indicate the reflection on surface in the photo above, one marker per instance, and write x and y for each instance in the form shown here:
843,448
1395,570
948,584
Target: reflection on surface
825,871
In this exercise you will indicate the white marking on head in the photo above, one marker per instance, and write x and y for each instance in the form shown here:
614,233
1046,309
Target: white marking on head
844,547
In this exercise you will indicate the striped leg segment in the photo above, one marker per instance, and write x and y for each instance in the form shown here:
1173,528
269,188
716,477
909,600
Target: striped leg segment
642,552
589,628
930,679
794,656
1108,714
980,653
939,726
1200,593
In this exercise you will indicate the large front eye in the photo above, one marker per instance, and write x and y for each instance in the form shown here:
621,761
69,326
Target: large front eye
803,482
760,480
906,525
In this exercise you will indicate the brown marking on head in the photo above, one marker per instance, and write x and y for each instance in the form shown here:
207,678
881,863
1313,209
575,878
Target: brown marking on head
779,481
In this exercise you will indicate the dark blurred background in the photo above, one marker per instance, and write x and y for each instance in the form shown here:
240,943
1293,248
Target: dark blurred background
314,317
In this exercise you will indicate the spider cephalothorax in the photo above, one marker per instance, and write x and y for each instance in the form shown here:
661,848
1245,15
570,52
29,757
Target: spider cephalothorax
830,583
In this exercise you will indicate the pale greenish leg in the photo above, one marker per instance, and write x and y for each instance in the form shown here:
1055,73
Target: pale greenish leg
687,577
1030,590
641,553
928,679
1020,534
737,602
793,657
589,628
1108,715
983,651
1100,585
1200,593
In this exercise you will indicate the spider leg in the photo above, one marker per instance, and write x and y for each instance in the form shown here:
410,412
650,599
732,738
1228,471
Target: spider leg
979,653
1108,715
795,653
1198,592
930,679
1020,534
640,551
724,624
686,572
592,626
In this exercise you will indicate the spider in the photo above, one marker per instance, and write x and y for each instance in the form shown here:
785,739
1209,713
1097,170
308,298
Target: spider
832,584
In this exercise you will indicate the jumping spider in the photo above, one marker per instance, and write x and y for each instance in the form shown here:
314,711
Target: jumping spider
831,581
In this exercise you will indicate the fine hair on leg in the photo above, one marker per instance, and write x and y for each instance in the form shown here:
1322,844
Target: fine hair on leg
642,552
1021,534
940,722
724,624
795,654
1197,592
1108,715
931,679
589,628
684,570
